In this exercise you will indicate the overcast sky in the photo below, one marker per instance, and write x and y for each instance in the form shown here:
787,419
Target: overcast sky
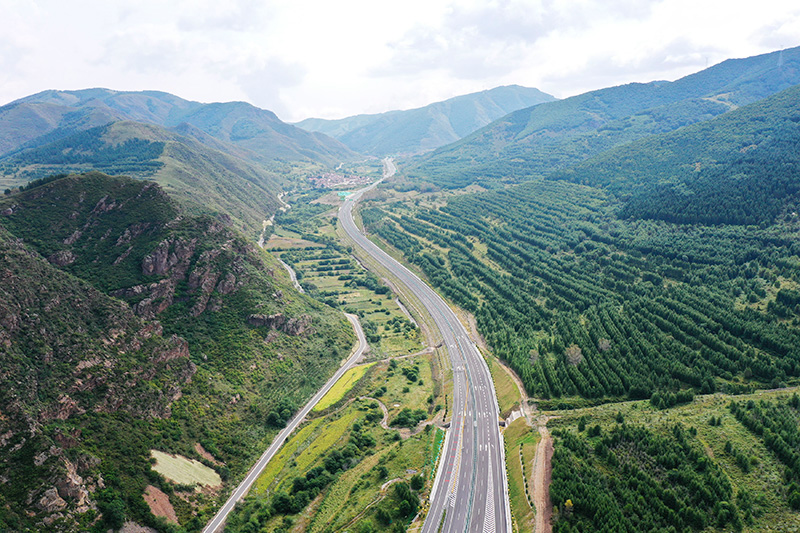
334,58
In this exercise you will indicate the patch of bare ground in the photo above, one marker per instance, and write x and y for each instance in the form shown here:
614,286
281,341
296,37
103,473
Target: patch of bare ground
542,474
133,527
205,454
159,504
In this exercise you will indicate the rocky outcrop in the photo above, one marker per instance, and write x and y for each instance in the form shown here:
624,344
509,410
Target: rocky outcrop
103,207
276,321
227,285
298,326
62,409
291,326
131,232
62,258
123,256
169,254
202,280
178,349
160,296
69,241
51,502
173,258
71,488
9,321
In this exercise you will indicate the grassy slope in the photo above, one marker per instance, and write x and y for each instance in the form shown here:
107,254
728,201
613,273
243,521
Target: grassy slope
203,178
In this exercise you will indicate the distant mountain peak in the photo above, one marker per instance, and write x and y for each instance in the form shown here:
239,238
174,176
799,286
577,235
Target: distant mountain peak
426,128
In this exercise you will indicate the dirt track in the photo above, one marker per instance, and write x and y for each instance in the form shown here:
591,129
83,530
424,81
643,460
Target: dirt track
542,472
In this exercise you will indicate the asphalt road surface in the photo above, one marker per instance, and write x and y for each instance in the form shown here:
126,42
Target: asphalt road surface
217,523
470,488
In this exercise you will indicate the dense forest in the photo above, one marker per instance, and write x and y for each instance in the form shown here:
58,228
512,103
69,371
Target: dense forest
583,304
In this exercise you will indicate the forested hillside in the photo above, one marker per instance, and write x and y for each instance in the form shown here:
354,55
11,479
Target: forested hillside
533,142
163,331
739,168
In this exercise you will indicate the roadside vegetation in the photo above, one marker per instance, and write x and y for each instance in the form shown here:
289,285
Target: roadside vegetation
344,469
520,442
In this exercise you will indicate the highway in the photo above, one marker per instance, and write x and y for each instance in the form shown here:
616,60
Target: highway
217,523
470,489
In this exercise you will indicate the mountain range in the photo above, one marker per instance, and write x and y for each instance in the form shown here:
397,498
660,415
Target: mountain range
534,141
228,158
425,128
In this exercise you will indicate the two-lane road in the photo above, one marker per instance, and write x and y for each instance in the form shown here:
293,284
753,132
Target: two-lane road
218,521
470,489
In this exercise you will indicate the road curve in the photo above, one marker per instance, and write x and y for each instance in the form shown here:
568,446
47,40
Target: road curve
217,523
470,489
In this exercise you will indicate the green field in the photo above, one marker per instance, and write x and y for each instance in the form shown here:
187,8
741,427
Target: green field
402,393
330,274
183,471
342,387
520,442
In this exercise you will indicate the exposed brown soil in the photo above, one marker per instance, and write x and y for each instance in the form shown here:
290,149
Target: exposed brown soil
205,454
159,504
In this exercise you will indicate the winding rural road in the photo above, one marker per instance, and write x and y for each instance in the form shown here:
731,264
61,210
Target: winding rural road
470,489
217,523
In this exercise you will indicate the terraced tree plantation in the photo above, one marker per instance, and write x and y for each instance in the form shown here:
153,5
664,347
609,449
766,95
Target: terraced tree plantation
585,307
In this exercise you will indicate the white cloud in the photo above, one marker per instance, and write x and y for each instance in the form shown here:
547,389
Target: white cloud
319,58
